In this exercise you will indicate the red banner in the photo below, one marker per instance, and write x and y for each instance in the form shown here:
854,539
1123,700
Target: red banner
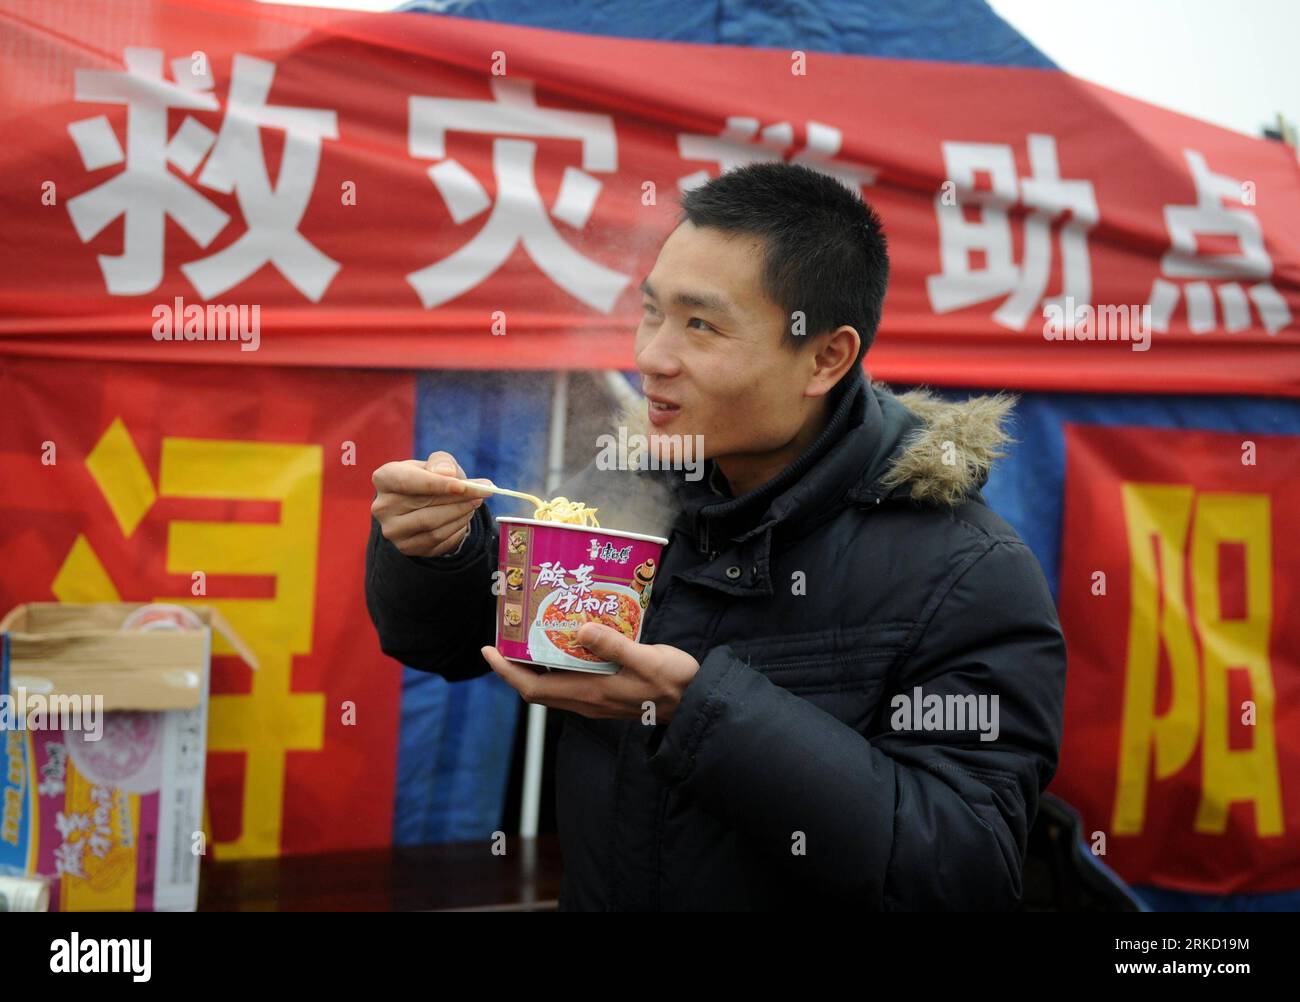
225,181
158,483
1178,592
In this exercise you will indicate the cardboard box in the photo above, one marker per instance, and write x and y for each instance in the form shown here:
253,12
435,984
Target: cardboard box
107,805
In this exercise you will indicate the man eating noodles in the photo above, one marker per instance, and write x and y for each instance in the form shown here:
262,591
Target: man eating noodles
853,668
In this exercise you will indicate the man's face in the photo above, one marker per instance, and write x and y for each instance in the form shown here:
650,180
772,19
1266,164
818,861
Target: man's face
711,344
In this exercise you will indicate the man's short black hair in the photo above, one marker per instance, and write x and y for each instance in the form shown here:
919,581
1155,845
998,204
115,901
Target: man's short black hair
826,251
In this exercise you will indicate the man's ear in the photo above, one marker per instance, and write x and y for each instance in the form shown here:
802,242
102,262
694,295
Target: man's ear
834,353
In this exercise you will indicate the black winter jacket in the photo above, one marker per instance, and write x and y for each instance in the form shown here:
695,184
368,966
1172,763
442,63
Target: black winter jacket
793,774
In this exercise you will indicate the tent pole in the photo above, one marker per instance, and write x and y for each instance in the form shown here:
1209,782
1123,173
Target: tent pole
535,750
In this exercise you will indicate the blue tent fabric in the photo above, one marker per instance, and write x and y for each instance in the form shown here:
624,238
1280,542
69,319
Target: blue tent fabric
455,743
954,31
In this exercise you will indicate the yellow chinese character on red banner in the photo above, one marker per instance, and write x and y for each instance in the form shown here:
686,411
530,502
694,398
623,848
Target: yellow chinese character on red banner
1159,518
272,719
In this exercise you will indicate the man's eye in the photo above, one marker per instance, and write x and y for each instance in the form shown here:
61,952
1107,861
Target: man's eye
703,324
649,308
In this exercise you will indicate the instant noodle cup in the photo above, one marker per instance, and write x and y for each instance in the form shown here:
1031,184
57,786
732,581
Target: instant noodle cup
570,575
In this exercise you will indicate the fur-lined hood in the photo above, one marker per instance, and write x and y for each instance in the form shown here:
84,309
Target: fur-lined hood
945,450
952,450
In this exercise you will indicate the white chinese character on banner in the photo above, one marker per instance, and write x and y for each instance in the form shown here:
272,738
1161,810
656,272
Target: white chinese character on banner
518,214
736,146
1048,196
145,193
1250,262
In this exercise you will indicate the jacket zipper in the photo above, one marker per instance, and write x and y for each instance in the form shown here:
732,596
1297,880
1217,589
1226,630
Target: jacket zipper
704,541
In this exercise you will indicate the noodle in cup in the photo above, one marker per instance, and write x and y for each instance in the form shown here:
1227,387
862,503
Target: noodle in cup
572,574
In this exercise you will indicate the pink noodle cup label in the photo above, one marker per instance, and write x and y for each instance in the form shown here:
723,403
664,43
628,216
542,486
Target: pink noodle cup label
555,578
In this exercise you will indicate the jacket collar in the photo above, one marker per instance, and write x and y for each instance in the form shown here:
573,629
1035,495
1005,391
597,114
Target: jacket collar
716,518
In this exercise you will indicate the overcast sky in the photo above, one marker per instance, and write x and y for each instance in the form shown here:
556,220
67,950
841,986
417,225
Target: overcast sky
1232,62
